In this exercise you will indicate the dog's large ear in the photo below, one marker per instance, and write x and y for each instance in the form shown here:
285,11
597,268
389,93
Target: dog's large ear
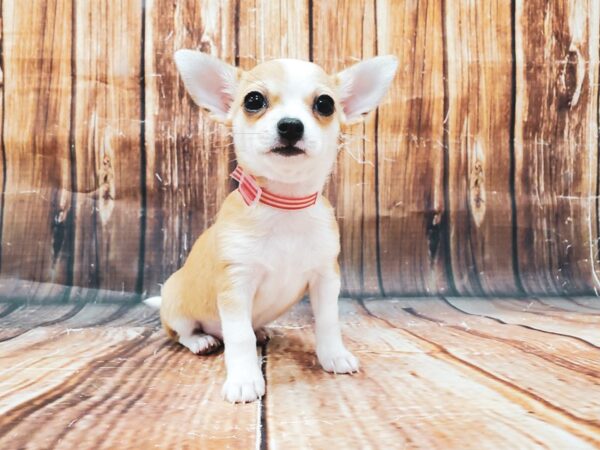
209,81
362,86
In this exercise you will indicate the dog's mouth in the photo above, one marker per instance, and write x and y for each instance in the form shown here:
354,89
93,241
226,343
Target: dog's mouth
288,150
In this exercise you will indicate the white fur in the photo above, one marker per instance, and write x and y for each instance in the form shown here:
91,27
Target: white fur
271,263
200,343
153,302
253,142
209,81
197,343
285,253
364,85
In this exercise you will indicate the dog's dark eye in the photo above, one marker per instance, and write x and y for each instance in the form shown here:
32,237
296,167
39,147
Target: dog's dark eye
254,101
324,105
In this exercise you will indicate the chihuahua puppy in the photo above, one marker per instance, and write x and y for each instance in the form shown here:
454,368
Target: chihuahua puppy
275,237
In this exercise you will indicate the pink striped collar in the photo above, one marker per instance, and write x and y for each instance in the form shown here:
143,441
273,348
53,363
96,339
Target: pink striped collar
252,193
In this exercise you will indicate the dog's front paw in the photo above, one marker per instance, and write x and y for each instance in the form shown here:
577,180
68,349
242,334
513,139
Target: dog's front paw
341,361
244,387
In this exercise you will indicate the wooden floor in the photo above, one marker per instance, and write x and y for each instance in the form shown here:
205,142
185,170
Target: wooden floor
436,373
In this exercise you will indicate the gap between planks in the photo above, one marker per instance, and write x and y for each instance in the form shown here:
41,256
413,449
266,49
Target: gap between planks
434,373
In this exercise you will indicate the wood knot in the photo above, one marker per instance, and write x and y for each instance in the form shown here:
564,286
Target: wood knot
433,219
477,185
106,188
61,204
570,79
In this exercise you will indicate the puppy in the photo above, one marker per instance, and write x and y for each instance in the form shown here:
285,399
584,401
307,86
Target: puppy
275,237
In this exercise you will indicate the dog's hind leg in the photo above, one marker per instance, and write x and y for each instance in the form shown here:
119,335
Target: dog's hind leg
191,336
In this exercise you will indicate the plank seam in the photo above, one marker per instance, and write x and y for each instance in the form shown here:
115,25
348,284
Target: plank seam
72,149
236,41
123,308
262,440
363,201
512,157
71,313
595,243
310,30
522,346
13,306
446,174
20,413
2,131
131,396
378,208
582,422
143,159
377,199
528,327
581,428
574,300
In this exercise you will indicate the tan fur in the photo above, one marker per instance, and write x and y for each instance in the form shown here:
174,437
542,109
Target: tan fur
263,78
256,262
267,77
194,289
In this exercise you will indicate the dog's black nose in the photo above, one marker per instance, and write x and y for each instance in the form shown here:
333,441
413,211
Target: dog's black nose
290,130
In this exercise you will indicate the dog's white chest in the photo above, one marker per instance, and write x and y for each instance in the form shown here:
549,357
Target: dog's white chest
284,255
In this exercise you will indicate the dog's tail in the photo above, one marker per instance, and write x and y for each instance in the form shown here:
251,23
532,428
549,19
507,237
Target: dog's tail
154,302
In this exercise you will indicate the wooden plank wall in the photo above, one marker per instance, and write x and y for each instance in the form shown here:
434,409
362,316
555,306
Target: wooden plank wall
477,176
105,127
188,156
556,144
413,247
479,145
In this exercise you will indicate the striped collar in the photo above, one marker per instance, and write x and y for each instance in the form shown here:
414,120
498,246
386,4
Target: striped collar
252,193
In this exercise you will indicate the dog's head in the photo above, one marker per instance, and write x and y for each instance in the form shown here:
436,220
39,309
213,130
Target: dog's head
285,114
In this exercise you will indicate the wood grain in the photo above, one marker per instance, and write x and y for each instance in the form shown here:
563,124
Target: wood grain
555,147
477,176
106,129
37,215
410,150
24,319
521,313
19,291
434,373
512,353
479,66
352,188
420,387
43,373
85,387
269,30
187,153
